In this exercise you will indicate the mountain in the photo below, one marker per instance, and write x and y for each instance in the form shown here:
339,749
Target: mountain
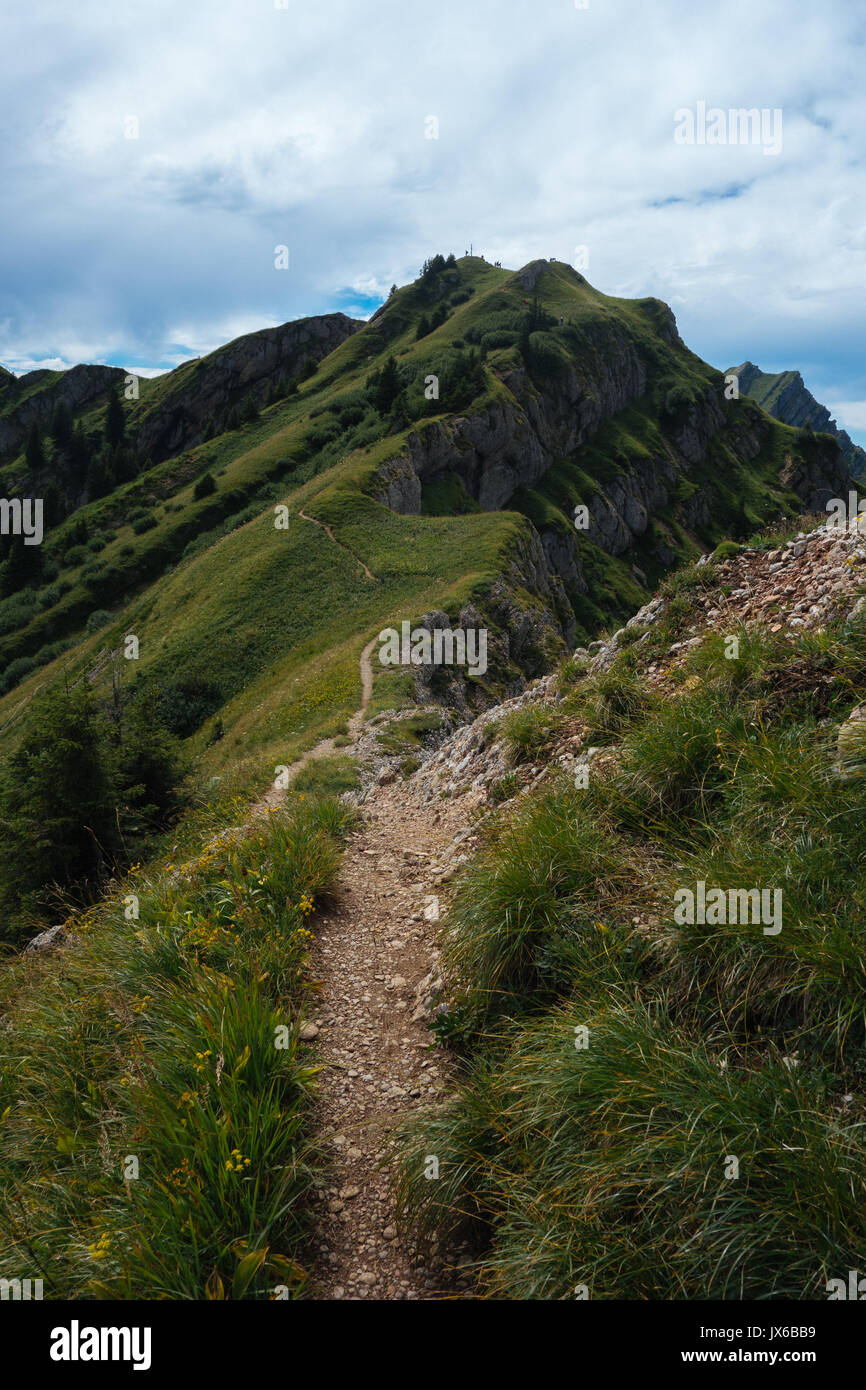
445,444
561,1003
172,412
656,1092
260,870
784,396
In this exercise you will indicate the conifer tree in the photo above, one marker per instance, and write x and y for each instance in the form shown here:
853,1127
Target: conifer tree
115,421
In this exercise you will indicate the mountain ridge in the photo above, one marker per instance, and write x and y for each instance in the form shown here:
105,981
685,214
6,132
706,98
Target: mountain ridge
550,397
785,396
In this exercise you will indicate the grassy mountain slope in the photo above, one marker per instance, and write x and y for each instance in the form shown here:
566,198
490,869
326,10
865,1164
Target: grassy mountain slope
647,1106
555,416
446,444
784,396
252,567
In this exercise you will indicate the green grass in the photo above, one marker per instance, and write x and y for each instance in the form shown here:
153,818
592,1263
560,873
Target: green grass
327,777
612,1062
154,1135
527,732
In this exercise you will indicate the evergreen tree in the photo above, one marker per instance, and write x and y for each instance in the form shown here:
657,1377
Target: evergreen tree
22,567
147,766
423,327
53,506
115,420
79,456
80,790
56,804
34,453
387,387
100,479
430,269
124,463
61,425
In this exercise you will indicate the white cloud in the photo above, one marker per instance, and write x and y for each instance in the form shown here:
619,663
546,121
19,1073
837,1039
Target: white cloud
305,126
849,415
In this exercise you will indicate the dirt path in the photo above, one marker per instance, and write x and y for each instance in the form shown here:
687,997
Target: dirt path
356,723
275,796
374,954
330,534
374,958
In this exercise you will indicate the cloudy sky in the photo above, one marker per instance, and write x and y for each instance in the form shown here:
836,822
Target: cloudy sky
155,153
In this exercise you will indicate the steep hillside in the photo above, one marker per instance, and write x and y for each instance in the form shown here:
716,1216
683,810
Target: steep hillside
651,979
551,397
53,425
784,396
624,1103
508,453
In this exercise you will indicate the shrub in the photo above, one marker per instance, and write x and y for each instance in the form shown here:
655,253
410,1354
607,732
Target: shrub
98,619
204,487
184,705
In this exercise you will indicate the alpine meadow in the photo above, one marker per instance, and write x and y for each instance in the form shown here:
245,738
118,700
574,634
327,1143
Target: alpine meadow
433,719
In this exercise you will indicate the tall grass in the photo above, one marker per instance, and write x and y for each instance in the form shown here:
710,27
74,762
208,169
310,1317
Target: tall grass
153,1088
649,1109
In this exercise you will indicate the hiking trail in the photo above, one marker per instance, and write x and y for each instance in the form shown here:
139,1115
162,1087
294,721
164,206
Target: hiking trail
330,534
374,952
373,957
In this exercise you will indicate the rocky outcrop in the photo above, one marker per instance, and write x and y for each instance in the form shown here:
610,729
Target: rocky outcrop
512,443
810,580
47,940
820,475
79,387
784,395
206,390
528,622
190,397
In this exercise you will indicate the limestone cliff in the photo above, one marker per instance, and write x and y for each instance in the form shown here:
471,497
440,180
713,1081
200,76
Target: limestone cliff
784,395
